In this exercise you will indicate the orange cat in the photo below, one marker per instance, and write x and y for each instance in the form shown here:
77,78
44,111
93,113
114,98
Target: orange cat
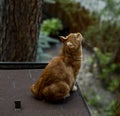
59,76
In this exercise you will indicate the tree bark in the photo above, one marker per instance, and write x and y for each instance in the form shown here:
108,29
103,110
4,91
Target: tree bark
20,29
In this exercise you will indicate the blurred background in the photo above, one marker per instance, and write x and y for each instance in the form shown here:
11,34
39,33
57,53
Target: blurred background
99,23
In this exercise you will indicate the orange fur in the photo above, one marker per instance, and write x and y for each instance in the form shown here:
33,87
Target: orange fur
59,76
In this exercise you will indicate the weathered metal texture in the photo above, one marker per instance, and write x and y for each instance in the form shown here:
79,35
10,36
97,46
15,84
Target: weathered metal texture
15,86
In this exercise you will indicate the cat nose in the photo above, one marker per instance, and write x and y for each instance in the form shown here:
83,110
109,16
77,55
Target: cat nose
70,44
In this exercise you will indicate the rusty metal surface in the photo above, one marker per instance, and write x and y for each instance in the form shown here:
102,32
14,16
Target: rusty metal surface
15,86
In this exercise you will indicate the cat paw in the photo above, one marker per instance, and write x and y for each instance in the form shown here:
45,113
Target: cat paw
74,88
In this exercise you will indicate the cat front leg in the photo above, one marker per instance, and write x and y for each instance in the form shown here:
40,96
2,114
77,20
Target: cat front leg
74,87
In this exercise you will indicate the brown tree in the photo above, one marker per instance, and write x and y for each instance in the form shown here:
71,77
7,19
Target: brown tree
19,30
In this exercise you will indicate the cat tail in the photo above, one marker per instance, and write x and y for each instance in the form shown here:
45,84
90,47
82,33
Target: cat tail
56,91
36,89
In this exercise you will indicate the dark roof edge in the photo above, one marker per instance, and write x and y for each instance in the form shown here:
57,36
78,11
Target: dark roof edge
22,65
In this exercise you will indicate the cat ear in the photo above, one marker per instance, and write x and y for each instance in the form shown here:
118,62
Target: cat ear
63,39
80,35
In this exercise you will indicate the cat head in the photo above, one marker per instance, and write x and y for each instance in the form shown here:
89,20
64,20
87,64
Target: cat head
72,41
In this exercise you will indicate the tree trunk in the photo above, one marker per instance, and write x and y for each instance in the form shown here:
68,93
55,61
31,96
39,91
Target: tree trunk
20,29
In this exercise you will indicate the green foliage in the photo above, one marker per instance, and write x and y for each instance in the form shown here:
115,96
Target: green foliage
117,112
68,5
104,31
105,75
110,109
50,1
51,26
113,85
71,9
61,1
104,58
111,12
94,100
104,34
106,71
